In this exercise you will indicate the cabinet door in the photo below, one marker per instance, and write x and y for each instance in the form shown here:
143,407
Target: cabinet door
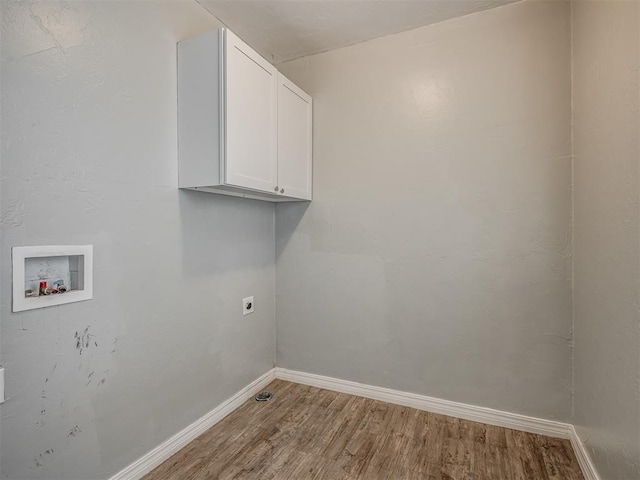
251,85
294,140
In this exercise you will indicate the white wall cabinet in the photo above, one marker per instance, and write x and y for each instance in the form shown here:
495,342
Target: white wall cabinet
294,139
244,129
251,117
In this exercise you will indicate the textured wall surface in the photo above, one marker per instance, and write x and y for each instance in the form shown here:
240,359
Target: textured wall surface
435,257
89,156
606,49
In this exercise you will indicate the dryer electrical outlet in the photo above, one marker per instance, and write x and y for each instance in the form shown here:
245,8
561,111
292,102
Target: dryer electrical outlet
247,305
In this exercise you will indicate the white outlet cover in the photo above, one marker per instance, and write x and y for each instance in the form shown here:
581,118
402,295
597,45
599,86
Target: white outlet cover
1,384
247,302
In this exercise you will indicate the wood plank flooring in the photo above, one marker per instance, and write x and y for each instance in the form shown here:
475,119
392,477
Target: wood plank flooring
310,433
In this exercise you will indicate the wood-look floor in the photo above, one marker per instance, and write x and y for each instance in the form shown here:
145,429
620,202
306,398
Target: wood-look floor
310,433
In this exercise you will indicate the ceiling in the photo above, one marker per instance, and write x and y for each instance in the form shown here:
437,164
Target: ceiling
282,30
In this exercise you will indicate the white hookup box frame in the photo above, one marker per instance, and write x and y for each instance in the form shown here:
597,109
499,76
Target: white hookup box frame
83,270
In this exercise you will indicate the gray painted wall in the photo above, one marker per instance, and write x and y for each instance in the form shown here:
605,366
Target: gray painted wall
606,101
89,156
435,257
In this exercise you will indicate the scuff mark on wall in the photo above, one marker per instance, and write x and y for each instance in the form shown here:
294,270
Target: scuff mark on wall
83,340
40,421
46,380
41,457
90,378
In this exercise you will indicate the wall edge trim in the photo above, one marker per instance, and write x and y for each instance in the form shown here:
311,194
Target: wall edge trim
584,459
162,452
465,411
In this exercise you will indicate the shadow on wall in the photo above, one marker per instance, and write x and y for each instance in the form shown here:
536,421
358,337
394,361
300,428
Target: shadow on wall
221,233
288,217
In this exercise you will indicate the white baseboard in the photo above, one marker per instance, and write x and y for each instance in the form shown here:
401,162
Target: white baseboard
584,459
430,404
155,457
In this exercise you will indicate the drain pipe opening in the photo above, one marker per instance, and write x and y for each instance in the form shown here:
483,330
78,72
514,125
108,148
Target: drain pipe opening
263,397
